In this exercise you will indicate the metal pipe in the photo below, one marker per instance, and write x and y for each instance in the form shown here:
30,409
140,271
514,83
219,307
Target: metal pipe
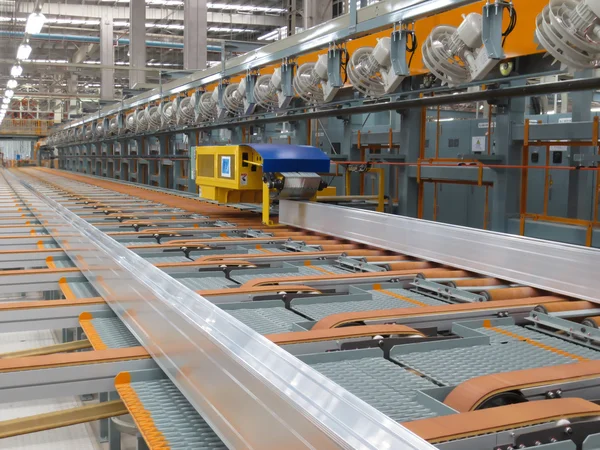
96,39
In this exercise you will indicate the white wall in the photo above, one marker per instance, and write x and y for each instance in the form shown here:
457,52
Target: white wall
11,148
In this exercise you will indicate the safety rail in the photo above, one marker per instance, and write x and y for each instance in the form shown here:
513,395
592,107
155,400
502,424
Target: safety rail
26,127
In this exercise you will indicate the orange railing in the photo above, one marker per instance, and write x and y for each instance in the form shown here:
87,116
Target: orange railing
26,127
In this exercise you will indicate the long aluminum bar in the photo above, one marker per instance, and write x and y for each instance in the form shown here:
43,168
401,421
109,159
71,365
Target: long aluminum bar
565,269
370,19
252,393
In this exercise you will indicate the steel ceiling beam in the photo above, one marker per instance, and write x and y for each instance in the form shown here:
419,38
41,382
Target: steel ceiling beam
152,14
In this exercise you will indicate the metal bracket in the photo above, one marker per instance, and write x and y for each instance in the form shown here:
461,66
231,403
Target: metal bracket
299,246
492,28
334,65
358,265
249,101
444,292
569,329
353,17
257,234
398,51
287,87
221,110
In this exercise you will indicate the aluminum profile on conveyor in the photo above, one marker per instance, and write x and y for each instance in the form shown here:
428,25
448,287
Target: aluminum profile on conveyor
238,355
392,337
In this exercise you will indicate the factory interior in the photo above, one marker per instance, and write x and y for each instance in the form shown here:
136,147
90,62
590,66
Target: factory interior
300,224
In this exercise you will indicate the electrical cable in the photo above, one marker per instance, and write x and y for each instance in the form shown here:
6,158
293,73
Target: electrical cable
412,47
512,14
344,58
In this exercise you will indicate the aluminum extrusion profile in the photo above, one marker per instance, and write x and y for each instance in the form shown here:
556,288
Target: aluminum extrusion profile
252,393
562,268
369,19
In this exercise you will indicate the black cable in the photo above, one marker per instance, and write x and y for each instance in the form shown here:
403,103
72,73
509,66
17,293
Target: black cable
344,58
512,13
412,47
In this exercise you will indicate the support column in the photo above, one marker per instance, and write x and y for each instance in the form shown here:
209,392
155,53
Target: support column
72,89
137,42
410,142
316,12
506,189
581,182
107,57
194,35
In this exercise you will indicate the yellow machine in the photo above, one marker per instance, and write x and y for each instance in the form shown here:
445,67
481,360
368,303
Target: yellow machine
255,173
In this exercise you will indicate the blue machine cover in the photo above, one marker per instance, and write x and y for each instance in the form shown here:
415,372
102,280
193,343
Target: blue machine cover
291,158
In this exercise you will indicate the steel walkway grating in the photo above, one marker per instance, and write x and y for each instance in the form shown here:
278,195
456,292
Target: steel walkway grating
381,383
111,332
164,416
267,320
505,353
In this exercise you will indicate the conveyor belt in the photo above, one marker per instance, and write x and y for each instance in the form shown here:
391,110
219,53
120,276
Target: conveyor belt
164,416
280,281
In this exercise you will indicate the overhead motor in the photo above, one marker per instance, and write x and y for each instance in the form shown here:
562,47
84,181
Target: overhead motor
310,82
141,121
207,108
267,91
569,30
169,116
154,118
456,55
370,70
186,114
233,99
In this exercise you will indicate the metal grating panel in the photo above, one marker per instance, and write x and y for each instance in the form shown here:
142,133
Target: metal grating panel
303,271
267,320
381,383
406,293
455,365
114,333
82,289
174,417
317,311
205,283
167,259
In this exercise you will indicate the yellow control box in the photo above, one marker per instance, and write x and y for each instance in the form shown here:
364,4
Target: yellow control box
229,173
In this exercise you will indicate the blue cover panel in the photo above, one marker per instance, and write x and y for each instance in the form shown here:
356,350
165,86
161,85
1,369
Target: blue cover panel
291,158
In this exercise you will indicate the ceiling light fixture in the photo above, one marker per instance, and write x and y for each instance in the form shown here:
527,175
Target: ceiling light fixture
23,52
35,23
16,70
9,93
12,84
5,100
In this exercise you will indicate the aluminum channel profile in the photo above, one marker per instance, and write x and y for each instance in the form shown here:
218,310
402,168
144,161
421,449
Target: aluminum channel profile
252,393
562,268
